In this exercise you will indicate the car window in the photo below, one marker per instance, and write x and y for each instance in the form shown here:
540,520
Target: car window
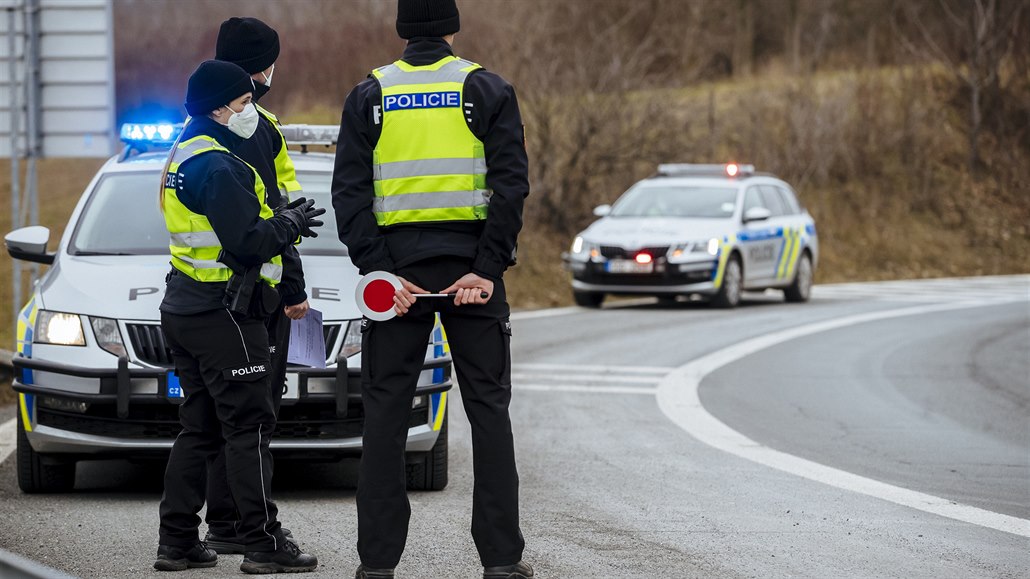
122,217
752,199
771,199
676,201
789,200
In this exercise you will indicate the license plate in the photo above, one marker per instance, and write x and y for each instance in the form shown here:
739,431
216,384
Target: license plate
628,266
174,389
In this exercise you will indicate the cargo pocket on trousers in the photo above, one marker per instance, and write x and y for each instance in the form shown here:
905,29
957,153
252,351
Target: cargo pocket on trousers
505,327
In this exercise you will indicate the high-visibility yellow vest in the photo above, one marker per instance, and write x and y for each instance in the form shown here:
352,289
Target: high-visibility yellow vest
194,244
284,169
428,164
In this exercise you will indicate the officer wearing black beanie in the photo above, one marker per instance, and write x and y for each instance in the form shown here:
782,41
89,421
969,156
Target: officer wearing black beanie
431,173
215,209
254,46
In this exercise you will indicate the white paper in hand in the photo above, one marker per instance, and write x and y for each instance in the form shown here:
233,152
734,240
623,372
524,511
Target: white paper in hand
307,342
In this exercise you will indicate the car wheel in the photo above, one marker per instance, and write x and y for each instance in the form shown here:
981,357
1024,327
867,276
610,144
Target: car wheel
36,472
427,471
588,299
732,283
800,290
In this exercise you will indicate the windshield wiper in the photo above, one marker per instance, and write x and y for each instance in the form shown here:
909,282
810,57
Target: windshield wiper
94,253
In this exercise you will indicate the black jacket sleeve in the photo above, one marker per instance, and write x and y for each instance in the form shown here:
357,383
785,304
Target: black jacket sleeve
498,123
231,206
292,286
353,189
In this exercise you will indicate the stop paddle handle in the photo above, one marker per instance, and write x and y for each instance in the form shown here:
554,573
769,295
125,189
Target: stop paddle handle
375,292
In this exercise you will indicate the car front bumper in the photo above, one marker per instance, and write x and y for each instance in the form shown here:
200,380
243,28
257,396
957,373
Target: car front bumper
129,411
668,278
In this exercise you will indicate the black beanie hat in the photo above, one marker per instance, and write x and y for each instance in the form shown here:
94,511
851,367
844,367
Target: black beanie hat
431,18
215,84
248,42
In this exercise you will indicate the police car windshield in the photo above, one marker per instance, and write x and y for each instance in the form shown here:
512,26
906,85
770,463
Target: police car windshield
676,201
122,217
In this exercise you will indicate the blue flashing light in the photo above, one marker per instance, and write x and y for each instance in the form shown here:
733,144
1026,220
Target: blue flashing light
151,133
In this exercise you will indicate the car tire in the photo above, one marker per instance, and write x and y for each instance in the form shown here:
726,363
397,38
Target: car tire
729,292
37,474
800,290
427,471
588,299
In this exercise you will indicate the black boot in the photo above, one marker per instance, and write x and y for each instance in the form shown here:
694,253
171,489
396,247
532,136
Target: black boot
288,558
520,570
171,558
230,545
367,573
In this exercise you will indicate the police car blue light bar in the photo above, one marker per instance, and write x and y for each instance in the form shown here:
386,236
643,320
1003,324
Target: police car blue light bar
727,170
152,133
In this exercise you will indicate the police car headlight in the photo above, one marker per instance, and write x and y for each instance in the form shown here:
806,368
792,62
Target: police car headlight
59,328
352,339
109,338
713,246
577,245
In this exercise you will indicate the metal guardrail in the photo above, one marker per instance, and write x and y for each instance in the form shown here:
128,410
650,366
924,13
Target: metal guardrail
17,567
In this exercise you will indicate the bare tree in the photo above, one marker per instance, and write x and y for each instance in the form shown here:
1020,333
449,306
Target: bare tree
971,38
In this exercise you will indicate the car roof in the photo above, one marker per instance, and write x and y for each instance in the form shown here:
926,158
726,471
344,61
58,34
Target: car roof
155,160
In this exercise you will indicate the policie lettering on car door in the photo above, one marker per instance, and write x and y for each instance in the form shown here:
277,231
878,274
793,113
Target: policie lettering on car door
761,241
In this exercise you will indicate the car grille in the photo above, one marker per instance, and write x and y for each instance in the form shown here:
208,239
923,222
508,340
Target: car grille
616,252
148,342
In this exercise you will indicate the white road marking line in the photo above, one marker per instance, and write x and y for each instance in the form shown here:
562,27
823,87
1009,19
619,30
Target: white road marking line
548,313
678,399
595,369
8,432
584,389
586,377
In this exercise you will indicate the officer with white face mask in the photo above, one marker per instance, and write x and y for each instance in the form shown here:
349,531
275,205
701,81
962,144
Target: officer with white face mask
254,46
225,242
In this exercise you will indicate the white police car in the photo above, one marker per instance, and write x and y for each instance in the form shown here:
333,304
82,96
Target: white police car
93,372
708,230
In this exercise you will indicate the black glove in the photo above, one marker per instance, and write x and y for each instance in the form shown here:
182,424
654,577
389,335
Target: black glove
301,214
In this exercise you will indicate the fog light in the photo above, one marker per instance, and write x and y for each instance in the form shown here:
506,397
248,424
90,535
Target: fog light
418,402
63,404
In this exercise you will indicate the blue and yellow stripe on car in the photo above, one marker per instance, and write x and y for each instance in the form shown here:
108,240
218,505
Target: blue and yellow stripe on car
440,349
26,327
725,249
793,241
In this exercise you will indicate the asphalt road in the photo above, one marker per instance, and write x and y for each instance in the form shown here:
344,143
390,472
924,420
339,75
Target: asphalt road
934,402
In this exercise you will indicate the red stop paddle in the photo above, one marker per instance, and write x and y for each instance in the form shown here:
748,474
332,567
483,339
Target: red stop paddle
375,292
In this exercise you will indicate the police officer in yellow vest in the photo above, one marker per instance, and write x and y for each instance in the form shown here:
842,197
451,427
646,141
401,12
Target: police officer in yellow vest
431,173
216,211
254,46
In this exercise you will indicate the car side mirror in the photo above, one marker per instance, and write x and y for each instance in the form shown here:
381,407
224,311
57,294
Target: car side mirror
757,214
29,244
602,210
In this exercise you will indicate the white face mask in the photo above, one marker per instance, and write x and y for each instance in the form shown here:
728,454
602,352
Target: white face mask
268,78
245,122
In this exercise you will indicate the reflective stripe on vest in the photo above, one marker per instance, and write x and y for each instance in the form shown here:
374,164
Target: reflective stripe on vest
284,169
428,165
192,241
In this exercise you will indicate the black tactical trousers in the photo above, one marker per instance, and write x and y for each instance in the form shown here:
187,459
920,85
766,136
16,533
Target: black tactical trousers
391,358
224,370
222,517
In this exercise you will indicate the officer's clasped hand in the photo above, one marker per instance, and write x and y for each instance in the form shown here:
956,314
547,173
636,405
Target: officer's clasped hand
301,213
